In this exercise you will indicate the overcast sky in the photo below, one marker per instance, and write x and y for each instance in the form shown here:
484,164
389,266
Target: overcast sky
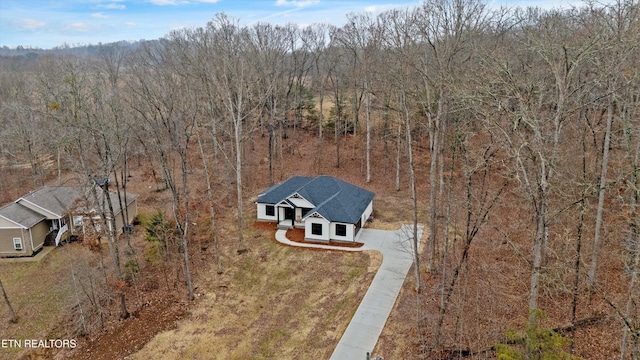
49,23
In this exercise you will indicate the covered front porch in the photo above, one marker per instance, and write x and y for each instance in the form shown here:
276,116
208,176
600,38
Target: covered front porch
58,230
289,212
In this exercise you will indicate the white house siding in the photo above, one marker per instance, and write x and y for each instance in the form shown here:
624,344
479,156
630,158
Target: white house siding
347,237
325,229
367,213
262,213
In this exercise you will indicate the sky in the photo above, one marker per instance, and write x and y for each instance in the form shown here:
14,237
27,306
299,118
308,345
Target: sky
49,23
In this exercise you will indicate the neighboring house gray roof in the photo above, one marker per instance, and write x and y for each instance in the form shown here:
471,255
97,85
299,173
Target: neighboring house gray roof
55,199
336,200
114,201
21,215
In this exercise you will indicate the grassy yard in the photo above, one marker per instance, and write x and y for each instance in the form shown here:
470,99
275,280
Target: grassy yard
274,302
41,293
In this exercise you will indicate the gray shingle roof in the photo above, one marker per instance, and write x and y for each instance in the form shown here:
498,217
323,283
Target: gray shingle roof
336,200
21,215
277,193
55,199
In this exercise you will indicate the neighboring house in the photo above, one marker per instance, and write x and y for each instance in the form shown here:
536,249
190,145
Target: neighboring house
50,215
326,207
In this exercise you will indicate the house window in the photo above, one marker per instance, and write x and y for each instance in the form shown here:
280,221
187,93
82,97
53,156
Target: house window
305,211
270,210
341,230
316,229
77,220
17,243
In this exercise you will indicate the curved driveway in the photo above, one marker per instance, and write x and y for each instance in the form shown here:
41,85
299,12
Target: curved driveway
367,323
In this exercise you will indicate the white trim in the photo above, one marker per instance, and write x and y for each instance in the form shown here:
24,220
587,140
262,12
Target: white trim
31,239
284,203
61,231
310,214
15,243
39,207
300,197
9,220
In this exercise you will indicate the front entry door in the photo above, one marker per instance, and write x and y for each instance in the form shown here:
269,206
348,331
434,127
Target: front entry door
288,213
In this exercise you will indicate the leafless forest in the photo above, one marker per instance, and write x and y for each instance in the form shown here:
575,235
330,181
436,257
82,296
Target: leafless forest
513,135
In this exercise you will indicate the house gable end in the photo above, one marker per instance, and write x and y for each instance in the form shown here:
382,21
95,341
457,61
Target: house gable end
20,215
299,201
314,214
6,223
39,209
277,193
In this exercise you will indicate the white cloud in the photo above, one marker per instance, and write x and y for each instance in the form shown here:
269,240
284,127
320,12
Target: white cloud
208,1
112,6
296,3
168,2
379,8
78,26
30,24
100,15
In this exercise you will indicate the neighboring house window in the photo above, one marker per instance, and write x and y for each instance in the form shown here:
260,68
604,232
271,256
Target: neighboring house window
305,211
77,220
316,229
17,243
341,230
270,210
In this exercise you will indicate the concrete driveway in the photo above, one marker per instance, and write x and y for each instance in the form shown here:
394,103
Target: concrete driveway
367,323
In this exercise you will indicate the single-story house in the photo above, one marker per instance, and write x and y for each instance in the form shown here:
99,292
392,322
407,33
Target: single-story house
326,207
49,215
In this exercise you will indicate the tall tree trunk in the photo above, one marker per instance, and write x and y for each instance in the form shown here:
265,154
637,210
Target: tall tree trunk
538,245
272,135
398,152
108,221
414,197
13,317
368,114
238,139
435,134
185,228
597,239
212,211
576,268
